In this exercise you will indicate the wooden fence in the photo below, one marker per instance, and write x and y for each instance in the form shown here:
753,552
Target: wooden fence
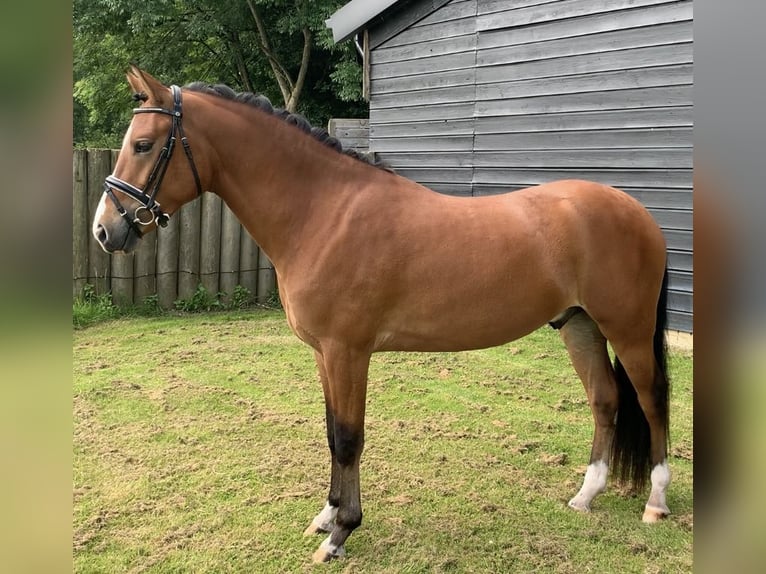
203,243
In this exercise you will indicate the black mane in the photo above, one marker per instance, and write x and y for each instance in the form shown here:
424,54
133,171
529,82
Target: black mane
262,103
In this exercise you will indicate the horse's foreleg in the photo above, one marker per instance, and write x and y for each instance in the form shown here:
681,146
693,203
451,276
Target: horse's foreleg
325,520
346,384
587,350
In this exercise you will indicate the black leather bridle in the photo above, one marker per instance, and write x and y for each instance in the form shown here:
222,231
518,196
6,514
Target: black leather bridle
149,211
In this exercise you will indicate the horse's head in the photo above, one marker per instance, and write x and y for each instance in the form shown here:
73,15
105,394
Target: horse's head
155,173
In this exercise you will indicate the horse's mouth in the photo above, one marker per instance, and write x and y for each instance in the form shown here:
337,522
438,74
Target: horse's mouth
125,241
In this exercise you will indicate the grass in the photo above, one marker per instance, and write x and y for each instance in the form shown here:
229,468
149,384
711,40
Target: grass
199,447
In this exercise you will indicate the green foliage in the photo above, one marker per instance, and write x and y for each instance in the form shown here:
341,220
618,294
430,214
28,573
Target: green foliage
216,41
90,308
151,305
348,79
201,300
274,301
240,297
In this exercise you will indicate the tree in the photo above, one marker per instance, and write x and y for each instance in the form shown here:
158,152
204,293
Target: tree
280,48
291,89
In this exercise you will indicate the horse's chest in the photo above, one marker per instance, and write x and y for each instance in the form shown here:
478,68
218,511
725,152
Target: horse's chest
301,330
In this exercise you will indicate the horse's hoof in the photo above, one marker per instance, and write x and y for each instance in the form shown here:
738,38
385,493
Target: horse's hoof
321,556
327,552
654,514
574,504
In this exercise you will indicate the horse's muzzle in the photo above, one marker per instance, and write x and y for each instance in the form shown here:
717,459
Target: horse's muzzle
123,239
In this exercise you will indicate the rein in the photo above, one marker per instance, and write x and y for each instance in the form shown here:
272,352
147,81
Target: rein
150,211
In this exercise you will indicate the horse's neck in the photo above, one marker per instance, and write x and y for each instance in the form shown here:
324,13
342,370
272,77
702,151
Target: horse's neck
278,181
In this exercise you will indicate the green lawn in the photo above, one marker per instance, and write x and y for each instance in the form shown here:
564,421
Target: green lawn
199,447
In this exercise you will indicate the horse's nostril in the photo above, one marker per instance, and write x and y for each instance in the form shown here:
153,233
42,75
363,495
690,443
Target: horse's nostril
101,234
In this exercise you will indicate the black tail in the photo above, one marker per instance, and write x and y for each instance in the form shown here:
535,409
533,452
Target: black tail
631,449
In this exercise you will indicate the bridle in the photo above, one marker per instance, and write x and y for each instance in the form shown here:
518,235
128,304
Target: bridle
150,211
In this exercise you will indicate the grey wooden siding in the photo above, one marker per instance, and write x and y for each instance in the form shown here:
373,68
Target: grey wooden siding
487,96
422,98
353,133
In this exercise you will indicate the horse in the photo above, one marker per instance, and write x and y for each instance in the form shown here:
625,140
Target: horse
364,261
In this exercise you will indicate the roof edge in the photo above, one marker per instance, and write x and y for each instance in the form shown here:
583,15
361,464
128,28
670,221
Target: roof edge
354,16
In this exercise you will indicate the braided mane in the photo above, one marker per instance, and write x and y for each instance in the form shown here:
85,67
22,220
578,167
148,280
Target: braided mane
262,103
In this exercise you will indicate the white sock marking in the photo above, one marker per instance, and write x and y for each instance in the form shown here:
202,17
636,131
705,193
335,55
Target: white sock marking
325,520
331,549
660,480
661,476
593,484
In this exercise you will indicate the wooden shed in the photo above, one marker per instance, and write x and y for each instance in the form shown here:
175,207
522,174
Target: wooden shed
474,97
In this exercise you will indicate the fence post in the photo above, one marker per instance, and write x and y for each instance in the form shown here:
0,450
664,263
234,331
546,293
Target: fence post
248,264
189,248
145,258
230,245
99,166
210,246
122,268
80,227
167,263
266,278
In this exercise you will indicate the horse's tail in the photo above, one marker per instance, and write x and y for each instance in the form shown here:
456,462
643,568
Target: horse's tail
632,442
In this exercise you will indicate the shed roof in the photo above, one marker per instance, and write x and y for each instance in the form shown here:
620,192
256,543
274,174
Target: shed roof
354,16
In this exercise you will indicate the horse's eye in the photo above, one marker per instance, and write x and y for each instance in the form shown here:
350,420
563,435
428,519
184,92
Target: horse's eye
143,146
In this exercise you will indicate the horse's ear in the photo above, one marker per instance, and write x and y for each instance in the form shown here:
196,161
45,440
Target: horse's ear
144,83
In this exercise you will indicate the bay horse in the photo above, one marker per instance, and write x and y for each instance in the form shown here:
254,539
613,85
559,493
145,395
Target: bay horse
364,261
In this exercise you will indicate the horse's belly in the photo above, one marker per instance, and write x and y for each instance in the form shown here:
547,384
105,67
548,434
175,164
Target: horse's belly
460,330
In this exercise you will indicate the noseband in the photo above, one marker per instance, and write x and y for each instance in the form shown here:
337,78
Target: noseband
149,211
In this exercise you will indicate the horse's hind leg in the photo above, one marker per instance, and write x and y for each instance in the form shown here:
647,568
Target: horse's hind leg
588,353
638,365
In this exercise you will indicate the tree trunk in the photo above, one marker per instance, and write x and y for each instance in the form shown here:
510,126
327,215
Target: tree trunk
280,73
292,104
291,90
